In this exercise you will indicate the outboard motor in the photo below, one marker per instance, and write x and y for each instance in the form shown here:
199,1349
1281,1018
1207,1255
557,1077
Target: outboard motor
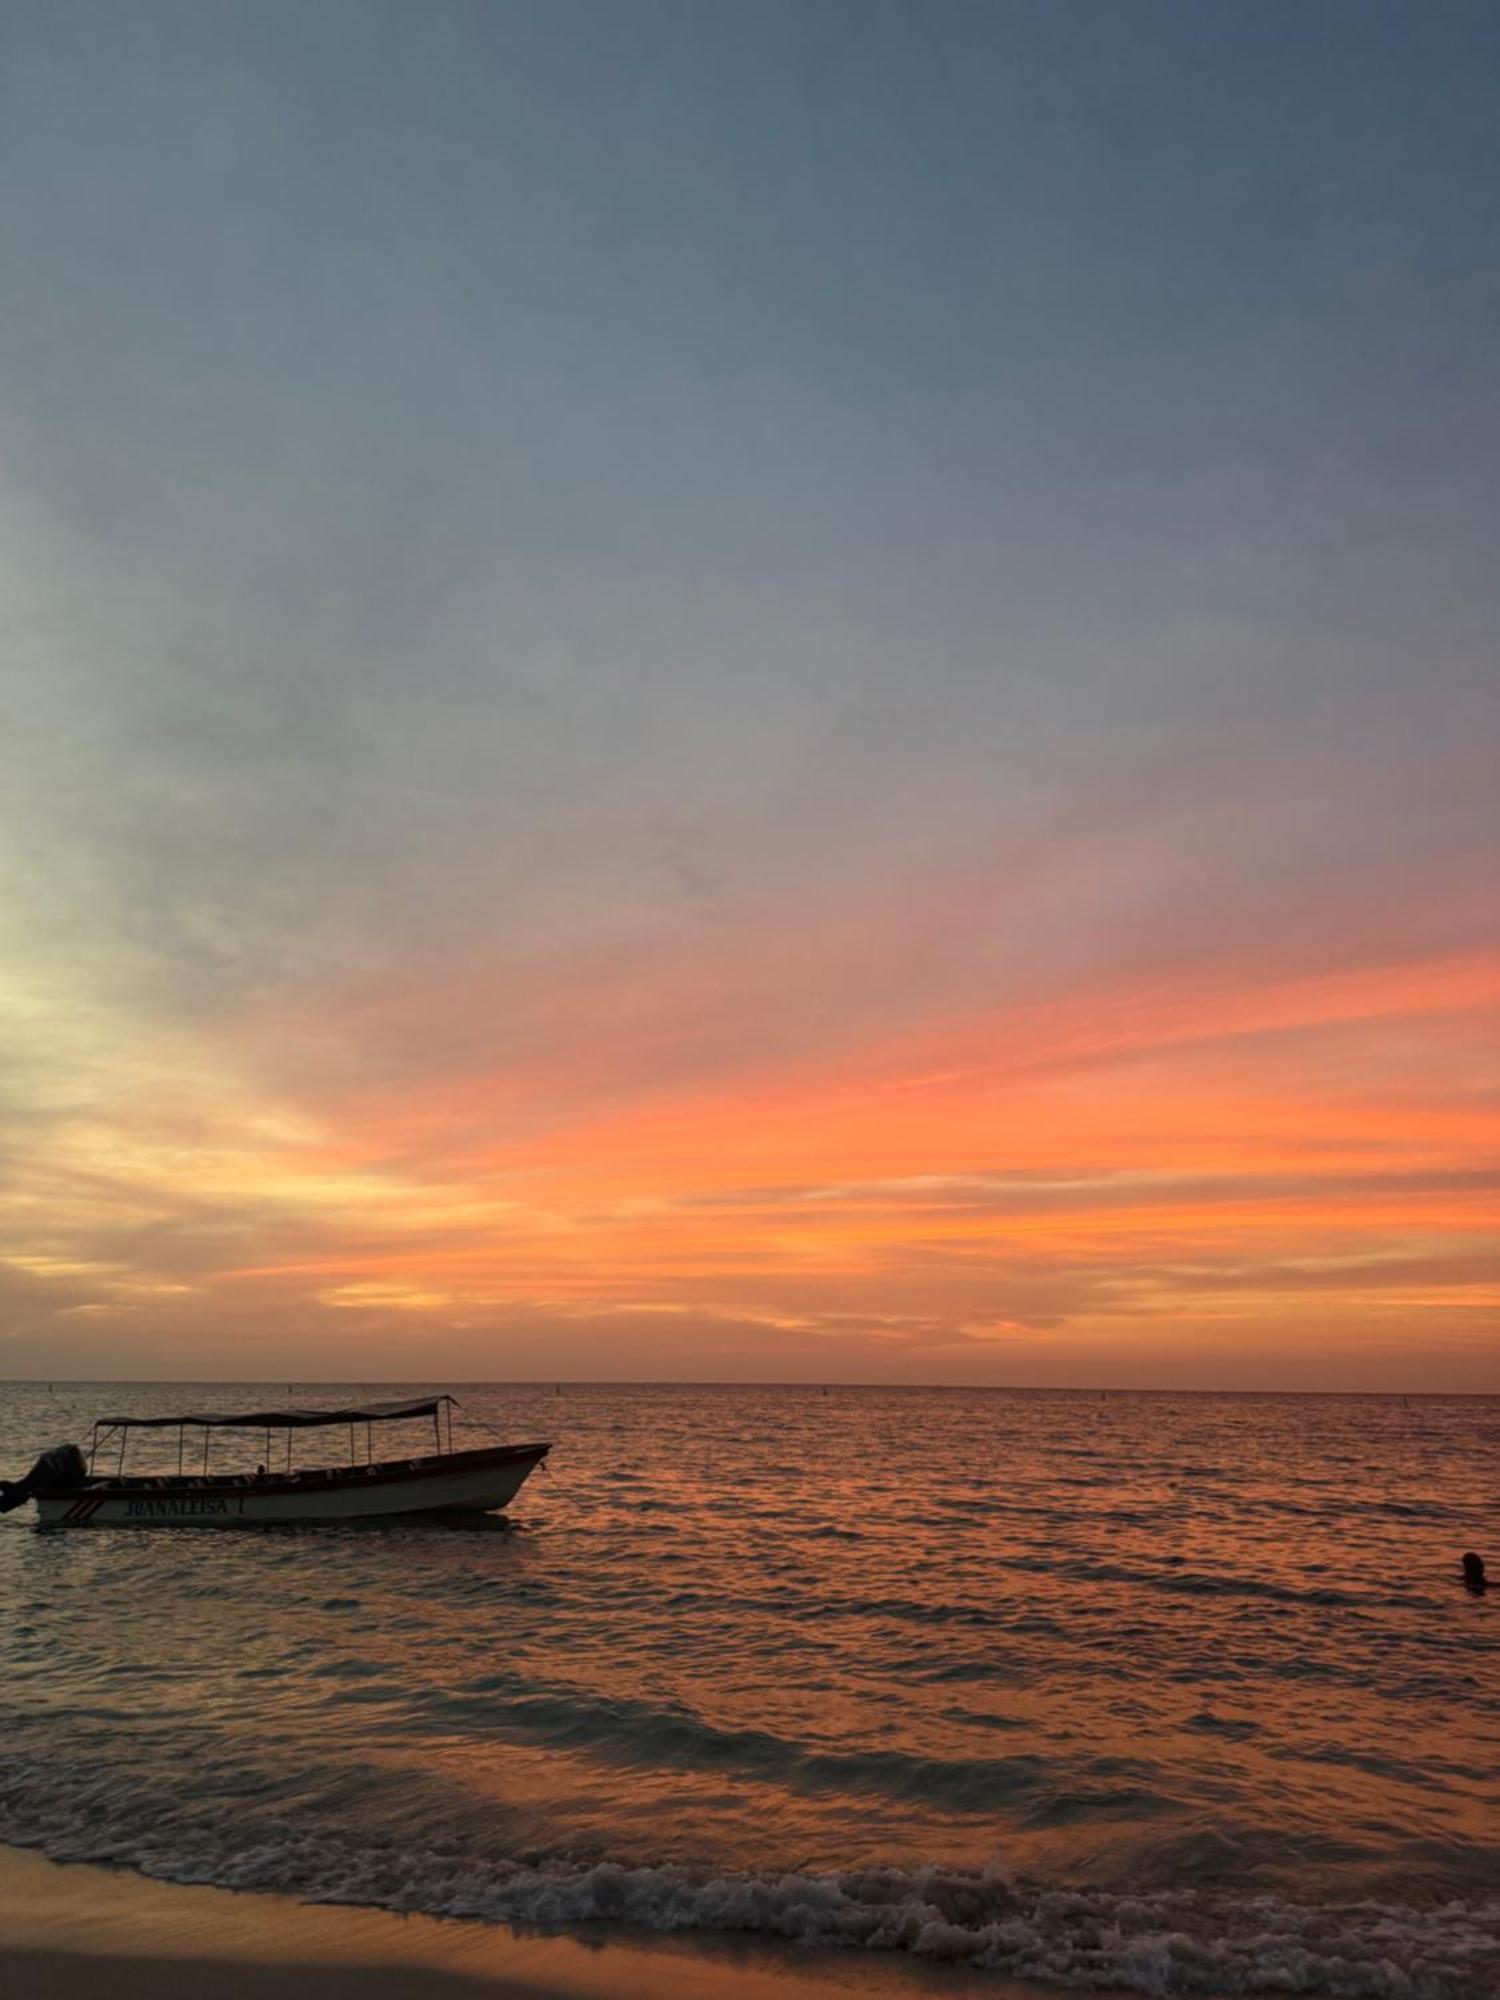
59,1471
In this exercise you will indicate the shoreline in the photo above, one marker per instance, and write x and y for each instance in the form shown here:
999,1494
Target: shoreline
69,1930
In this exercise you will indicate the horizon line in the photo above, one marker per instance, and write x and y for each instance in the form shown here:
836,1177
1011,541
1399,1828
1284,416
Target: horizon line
668,1382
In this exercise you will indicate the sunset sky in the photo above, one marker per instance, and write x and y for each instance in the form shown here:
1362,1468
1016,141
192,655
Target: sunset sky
745,691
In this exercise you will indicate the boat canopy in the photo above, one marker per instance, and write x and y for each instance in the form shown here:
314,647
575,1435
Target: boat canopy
282,1420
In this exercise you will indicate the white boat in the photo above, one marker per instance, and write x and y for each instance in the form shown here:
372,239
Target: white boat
69,1491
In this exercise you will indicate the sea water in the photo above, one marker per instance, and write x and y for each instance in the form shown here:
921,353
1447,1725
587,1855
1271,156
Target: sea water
1172,1693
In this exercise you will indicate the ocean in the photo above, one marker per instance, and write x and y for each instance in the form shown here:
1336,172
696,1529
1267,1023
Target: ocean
1163,1693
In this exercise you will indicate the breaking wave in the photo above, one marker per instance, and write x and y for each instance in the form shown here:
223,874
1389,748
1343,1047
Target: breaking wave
1162,1942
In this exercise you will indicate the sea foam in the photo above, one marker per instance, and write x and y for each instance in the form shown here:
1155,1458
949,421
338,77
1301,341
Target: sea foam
1165,1942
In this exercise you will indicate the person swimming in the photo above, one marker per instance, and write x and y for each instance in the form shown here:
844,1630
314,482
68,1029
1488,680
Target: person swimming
1474,1577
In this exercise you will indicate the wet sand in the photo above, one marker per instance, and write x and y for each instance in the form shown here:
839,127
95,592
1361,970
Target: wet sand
71,1932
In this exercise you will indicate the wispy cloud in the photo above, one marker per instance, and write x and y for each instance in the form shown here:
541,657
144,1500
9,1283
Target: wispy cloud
633,747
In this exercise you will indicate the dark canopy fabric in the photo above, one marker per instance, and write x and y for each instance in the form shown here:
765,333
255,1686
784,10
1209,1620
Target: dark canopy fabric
283,1420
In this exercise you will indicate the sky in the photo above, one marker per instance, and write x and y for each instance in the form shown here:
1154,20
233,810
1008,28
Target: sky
750,692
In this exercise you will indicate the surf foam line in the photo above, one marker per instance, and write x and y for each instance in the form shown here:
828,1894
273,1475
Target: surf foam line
1162,1942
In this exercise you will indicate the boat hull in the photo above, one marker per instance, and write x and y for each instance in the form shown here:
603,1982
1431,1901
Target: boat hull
462,1482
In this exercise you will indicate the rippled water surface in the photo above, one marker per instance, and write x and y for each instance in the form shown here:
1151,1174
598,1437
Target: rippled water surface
1176,1693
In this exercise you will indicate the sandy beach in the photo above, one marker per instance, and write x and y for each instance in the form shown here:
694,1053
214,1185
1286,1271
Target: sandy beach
71,1930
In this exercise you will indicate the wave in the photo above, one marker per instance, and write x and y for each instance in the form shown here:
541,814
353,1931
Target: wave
637,1732
1164,1942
